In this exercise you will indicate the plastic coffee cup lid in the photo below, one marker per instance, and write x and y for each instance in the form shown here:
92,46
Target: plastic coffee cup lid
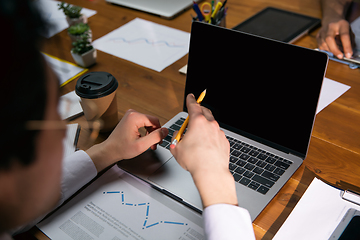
96,85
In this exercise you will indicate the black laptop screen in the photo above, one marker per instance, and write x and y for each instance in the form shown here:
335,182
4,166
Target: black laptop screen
264,89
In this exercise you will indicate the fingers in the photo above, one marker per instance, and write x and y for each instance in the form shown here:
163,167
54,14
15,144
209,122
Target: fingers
198,115
193,107
332,45
204,146
207,113
172,146
320,41
142,120
155,133
344,33
152,139
346,42
326,39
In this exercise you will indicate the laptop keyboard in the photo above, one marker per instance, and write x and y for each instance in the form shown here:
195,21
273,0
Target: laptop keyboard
175,127
254,167
249,165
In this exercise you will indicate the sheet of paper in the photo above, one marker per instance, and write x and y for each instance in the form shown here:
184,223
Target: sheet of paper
64,70
56,17
183,70
330,91
69,140
145,43
69,106
118,206
316,215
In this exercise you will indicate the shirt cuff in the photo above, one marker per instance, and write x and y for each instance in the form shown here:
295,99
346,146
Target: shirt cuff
225,221
78,170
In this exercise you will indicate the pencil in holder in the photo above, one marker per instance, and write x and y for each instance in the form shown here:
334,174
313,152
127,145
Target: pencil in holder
209,14
220,18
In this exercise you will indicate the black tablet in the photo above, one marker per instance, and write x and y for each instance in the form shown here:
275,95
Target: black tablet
278,24
348,228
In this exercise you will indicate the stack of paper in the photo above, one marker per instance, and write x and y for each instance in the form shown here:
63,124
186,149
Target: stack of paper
317,214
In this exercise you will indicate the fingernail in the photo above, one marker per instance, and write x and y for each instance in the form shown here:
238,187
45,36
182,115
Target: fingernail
340,56
164,132
348,55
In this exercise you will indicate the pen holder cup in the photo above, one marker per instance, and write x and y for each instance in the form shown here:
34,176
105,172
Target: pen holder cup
221,22
218,22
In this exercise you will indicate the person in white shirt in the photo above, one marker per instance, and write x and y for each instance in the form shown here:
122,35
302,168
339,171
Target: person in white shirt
34,178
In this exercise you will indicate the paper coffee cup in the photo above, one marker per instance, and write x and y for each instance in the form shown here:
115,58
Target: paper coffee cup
97,91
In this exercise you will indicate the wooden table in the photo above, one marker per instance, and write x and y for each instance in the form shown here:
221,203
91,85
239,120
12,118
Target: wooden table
334,154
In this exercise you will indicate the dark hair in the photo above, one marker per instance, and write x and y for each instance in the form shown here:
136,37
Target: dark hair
23,82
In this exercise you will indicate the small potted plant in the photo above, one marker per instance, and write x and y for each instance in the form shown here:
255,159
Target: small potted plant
75,31
72,13
83,52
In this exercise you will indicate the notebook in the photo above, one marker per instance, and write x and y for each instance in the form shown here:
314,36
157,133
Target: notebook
264,94
163,8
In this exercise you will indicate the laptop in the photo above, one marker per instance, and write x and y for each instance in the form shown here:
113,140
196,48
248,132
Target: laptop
264,94
164,8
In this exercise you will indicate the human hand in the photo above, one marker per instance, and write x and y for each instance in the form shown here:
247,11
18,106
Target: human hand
204,152
125,141
336,36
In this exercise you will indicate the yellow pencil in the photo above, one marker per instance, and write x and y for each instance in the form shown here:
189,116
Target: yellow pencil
184,125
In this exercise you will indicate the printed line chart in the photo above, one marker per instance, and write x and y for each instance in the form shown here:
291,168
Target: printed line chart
145,43
148,41
146,205
118,206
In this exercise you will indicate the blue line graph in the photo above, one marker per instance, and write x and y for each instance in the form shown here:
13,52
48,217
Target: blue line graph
154,224
146,223
174,223
150,42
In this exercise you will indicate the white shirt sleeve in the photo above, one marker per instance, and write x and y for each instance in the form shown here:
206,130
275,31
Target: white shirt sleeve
227,222
78,169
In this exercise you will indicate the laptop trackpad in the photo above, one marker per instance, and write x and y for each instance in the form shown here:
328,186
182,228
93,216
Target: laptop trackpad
177,181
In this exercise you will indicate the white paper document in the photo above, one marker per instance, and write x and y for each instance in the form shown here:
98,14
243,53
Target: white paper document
316,215
69,106
330,91
69,140
55,17
64,70
118,206
145,43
